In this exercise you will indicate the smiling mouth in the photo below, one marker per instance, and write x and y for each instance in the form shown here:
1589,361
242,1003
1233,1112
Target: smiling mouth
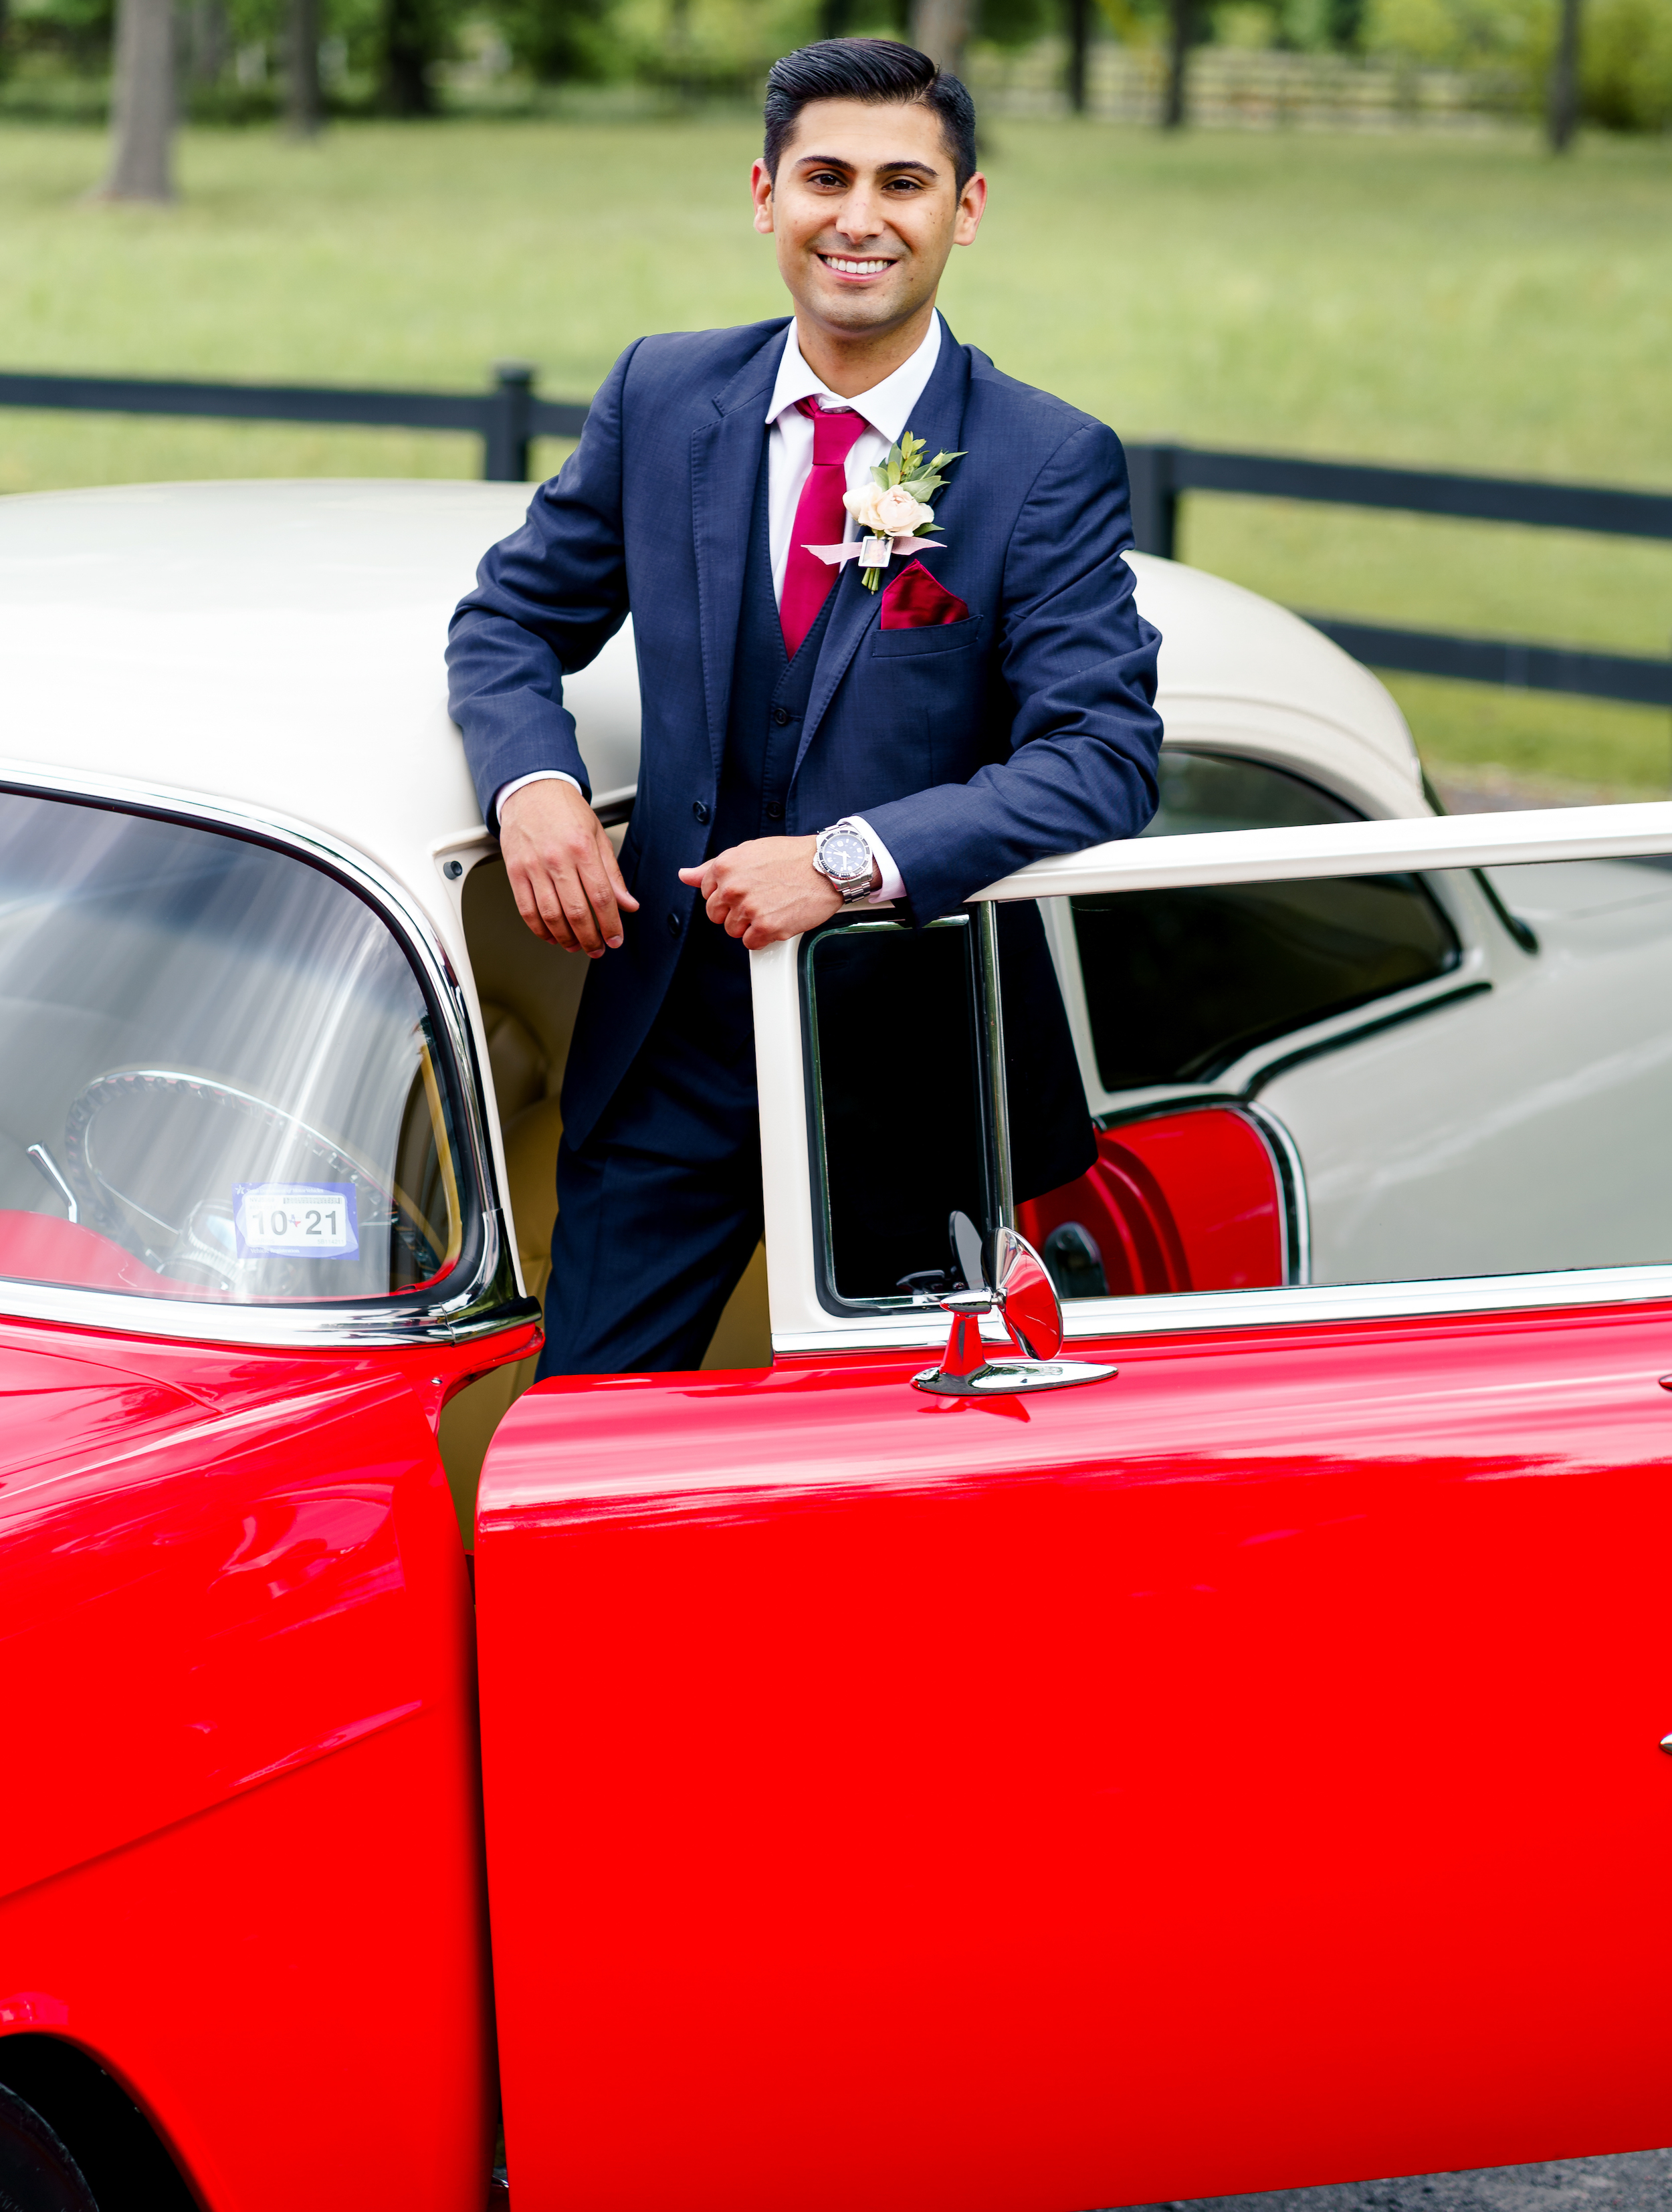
845,264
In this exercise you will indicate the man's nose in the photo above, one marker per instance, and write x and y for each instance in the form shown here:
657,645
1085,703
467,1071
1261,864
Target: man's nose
860,217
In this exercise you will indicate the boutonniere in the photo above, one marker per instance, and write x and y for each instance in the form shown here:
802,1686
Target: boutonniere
892,510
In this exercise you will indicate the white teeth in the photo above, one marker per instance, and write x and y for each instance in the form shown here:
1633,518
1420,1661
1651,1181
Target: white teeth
853,267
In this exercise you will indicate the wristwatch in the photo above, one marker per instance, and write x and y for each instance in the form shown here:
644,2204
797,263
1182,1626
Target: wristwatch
843,854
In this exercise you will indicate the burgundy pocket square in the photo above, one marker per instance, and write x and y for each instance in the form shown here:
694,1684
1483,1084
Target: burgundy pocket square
913,600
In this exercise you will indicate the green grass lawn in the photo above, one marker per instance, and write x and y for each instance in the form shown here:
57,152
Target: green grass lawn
1468,303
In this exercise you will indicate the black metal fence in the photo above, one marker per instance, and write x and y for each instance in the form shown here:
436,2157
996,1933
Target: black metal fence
509,415
1161,475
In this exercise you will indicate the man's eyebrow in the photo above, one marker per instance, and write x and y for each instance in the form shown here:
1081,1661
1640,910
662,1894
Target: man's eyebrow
842,162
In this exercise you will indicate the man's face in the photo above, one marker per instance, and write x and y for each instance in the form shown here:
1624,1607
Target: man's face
864,209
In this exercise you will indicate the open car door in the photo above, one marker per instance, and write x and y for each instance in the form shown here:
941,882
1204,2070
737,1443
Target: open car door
247,1245
1243,1769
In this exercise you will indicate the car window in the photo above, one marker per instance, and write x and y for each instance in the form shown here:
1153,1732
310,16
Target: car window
1180,984
219,1077
909,1125
1511,1124
1200,791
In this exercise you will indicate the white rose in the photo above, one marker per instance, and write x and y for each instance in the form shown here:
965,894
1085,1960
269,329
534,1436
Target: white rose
862,506
898,513
891,514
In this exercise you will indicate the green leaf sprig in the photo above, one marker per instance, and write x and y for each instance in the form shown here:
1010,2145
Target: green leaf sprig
905,467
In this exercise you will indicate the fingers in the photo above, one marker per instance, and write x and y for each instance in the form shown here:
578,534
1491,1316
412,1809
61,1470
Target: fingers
623,898
564,875
538,906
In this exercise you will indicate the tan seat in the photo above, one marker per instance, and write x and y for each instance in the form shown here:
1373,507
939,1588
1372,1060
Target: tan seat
529,993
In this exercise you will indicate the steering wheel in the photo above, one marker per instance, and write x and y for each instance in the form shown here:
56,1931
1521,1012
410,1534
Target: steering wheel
203,1248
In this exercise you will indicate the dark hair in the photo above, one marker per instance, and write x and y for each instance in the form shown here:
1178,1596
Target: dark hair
876,71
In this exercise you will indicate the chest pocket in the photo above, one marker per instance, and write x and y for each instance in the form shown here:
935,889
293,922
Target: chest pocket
932,681
938,637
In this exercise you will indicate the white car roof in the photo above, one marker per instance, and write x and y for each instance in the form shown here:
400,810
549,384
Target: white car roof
279,644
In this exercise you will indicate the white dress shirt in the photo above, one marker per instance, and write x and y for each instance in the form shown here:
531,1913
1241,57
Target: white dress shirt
887,409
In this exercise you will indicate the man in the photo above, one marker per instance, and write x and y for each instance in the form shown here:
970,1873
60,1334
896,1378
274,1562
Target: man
808,741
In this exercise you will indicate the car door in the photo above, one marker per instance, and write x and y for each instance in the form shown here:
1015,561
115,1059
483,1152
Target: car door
1241,1770
247,1245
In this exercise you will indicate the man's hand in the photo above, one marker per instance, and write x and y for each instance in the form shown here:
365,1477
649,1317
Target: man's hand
563,874
767,889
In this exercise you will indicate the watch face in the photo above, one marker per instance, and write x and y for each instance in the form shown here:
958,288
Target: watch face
845,854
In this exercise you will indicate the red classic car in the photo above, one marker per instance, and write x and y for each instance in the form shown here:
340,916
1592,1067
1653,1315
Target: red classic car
1180,1715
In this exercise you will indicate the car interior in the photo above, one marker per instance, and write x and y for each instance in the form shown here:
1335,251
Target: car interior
220,1080
529,994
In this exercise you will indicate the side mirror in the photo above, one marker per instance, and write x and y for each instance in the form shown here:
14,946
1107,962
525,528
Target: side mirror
1024,1298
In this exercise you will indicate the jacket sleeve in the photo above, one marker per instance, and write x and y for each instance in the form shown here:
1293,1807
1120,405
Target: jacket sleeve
1079,661
547,599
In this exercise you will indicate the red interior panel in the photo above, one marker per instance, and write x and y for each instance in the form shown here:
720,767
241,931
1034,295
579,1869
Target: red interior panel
1183,1201
39,1247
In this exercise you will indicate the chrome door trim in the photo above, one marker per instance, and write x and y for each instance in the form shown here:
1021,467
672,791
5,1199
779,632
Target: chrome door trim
1179,1312
487,1299
1347,848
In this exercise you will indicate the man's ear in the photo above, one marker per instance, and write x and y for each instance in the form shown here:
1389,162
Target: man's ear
760,186
971,206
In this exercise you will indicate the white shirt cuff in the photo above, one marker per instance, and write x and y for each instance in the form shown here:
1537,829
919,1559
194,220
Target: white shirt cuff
893,884
519,782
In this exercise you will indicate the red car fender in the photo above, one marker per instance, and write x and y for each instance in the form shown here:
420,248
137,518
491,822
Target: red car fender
242,1861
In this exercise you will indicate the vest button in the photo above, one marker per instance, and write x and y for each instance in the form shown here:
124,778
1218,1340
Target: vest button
673,925
699,810
774,812
781,716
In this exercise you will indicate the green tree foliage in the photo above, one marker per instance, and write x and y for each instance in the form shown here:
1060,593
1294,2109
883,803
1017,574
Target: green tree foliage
559,40
1626,64
74,34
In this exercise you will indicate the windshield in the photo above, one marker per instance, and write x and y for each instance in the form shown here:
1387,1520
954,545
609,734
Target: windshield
217,1074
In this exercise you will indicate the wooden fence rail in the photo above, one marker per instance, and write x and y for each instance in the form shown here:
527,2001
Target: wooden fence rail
509,415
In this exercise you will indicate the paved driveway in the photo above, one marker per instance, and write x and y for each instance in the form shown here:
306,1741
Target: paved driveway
1630,2181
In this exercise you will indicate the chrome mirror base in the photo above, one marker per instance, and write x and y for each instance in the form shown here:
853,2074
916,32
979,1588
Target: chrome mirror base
997,1377
1024,1298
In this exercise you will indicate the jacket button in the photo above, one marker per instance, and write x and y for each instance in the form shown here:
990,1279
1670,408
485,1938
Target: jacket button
674,925
774,812
699,808
781,716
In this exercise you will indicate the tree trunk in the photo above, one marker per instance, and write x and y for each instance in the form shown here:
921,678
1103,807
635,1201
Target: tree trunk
144,103
1181,25
1079,39
405,89
940,29
1563,116
206,32
304,103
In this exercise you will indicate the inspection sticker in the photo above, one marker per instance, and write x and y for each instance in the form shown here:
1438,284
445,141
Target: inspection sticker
300,1219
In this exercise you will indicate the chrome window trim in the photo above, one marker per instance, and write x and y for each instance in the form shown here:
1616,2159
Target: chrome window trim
488,1300
1183,1312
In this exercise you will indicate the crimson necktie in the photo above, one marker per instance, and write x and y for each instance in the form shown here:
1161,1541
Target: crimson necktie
820,518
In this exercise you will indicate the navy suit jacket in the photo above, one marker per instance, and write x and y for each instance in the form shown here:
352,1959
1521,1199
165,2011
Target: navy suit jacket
972,748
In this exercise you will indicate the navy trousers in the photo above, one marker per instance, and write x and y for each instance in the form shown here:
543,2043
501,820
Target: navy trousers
658,1212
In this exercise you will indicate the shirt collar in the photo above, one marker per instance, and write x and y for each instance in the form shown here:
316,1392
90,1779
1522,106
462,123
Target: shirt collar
886,407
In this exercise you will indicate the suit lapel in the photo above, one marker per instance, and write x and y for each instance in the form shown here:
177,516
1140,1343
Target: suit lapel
938,419
727,453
